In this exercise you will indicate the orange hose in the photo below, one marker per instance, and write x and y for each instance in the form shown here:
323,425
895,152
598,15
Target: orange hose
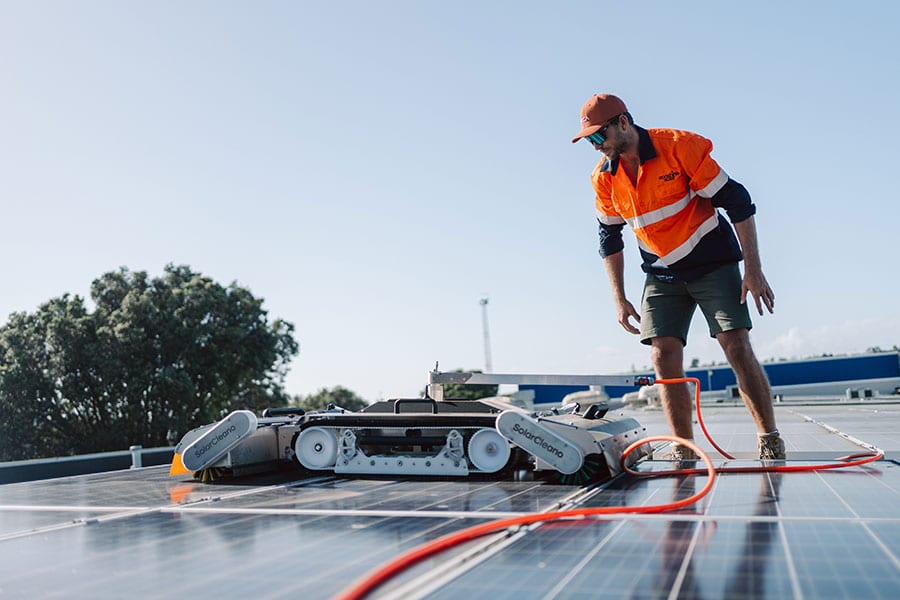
696,383
382,574
848,461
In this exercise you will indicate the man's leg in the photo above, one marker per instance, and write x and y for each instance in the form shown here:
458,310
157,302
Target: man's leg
751,379
667,354
666,310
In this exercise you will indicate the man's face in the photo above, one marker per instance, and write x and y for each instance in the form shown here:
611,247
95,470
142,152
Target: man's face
615,142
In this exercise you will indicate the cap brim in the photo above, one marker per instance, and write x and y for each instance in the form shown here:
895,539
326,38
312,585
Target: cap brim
586,132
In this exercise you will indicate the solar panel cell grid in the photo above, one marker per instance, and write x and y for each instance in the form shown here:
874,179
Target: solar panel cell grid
833,534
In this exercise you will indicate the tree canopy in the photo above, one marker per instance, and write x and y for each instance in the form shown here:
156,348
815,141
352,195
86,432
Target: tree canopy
154,356
340,396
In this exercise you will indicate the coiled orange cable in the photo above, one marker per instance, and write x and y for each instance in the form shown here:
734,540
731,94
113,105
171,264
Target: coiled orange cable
851,460
384,573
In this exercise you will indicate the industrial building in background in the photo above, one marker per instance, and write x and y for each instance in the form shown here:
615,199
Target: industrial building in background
825,378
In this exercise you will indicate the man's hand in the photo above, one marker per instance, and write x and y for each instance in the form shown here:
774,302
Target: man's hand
625,310
755,284
615,269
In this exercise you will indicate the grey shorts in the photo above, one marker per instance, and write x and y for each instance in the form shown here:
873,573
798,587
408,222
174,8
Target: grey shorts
667,308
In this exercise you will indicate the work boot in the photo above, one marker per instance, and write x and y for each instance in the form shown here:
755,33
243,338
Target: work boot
771,447
679,452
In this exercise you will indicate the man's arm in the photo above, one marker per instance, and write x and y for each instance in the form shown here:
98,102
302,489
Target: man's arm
754,281
615,270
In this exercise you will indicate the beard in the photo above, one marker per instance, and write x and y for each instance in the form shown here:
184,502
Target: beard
616,148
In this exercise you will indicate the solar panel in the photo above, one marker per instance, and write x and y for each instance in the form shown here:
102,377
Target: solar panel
831,534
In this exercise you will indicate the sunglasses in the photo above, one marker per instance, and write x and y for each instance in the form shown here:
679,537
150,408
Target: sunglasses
599,136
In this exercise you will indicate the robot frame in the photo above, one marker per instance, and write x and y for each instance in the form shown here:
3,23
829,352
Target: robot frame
429,436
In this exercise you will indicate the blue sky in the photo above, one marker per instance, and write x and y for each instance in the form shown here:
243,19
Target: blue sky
373,169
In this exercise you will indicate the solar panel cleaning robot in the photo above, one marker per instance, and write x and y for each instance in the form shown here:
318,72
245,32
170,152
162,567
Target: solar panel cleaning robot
430,436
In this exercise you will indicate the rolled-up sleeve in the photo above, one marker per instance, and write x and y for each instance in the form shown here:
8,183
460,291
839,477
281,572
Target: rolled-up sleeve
735,199
610,222
611,241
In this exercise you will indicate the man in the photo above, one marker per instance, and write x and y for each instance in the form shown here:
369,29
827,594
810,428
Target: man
667,187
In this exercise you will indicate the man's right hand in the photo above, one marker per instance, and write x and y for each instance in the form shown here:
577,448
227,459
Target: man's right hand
624,311
615,269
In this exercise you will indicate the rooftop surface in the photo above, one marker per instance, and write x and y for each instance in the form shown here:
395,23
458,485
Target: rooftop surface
141,534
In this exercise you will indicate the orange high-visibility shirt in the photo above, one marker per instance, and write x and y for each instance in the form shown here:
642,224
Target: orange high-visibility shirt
671,210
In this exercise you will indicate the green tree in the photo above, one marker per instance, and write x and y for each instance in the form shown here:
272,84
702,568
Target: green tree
339,396
155,355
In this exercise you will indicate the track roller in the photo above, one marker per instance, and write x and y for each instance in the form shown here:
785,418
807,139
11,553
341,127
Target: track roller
488,451
316,448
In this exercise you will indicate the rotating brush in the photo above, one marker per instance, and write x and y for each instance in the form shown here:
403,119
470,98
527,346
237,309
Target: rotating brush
594,470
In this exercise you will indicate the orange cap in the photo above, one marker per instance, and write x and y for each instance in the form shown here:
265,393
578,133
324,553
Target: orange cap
597,111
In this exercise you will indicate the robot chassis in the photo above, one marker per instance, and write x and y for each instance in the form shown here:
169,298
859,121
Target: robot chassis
430,436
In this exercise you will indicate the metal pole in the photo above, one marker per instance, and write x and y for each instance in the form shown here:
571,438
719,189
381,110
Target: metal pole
487,336
438,377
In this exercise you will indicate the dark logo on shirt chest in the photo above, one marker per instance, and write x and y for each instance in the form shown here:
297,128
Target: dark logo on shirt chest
669,176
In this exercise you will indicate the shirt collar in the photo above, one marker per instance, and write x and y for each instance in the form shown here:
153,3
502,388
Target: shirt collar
646,151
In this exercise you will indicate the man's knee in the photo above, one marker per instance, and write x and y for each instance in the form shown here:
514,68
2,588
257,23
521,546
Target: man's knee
667,355
736,345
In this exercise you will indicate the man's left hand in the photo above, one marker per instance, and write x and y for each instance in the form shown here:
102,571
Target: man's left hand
755,284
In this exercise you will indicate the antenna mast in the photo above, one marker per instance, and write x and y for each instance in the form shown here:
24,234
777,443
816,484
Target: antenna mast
488,368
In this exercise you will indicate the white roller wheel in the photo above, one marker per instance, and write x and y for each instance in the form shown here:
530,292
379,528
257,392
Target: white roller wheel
316,448
488,450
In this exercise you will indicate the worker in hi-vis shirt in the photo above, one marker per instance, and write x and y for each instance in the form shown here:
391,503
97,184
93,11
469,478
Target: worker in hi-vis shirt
665,185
